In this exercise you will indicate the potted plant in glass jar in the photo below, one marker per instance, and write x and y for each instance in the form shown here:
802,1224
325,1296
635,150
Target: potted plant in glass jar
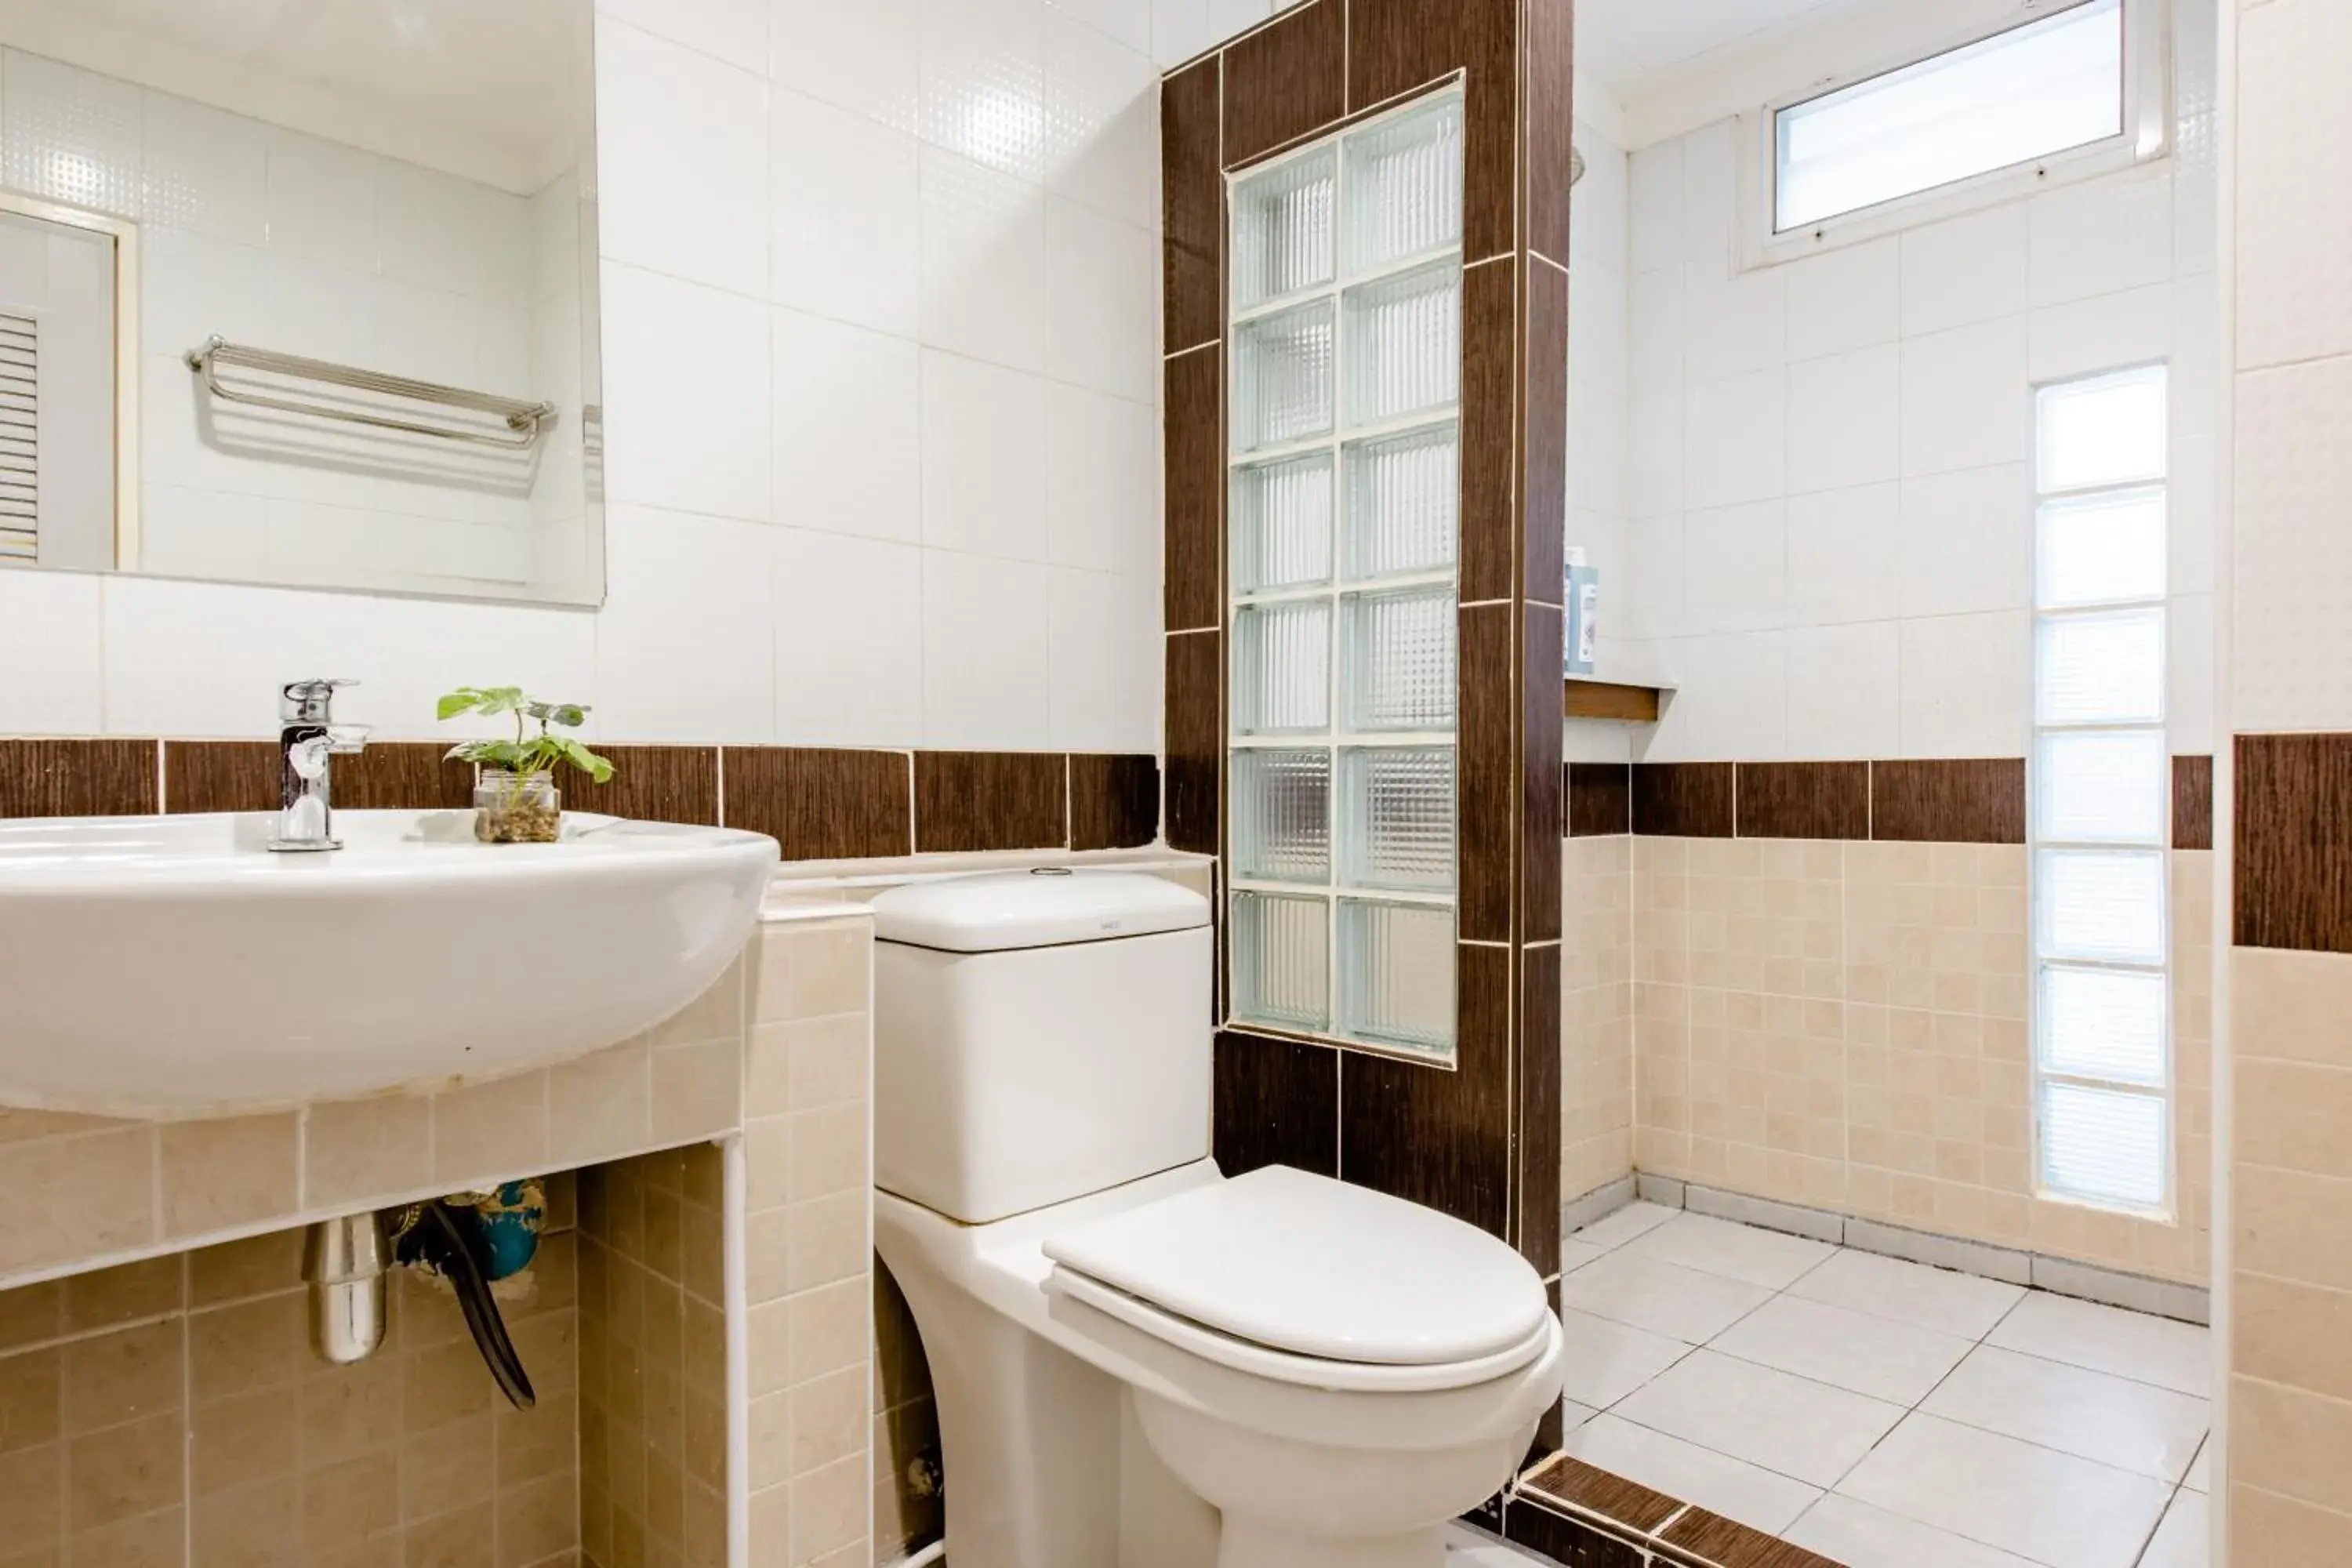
515,797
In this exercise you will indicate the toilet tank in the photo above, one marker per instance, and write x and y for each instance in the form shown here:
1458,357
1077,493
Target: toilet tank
1037,1036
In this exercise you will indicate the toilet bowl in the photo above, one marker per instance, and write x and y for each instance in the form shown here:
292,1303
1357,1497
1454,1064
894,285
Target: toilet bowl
1137,1362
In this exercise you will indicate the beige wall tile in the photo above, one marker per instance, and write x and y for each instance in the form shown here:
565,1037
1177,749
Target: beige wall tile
2291,1334
360,1150
601,1105
2291,1442
2293,1227
2292,1007
697,1089
78,1198
486,1130
125,1374
716,1015
812,971
2276,1531
828,1509
232,1172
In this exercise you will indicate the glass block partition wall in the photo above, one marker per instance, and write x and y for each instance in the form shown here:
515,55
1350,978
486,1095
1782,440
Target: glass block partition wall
1344,516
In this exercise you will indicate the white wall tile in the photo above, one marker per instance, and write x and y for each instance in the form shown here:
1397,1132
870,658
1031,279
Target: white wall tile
987,653
1709,193
1596,303
1845,691
1654,181
2188,714
1127,23
1102,115
863,57
457,234
1964,685
1844,554
983,82
848,447
1650,603
849,640
983,262
1654,477
2101,237
205,170
1968,541
687,393
845,209
1732,326
2295,143
2201,380
1102,483
2106,332
1968,269
1738,439
685,646
70,134
1850,297
1732,699
1734,561
2195,489
1597,442
1179,29
51,632
1845,419
1965,398
2291,648
1598,212
735,31
1102,700
984,488
1102,316
682,161
1655,329
321,202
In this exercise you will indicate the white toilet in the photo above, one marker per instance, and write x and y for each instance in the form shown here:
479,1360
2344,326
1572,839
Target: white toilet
1139,1363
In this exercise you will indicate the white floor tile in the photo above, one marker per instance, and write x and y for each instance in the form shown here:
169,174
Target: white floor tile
1755,1498
2197,1479
1635,1219
1735,1251
1575,1255
2184,1538
1934,1299
1572,1414
2134,1427
1680,1303
1799,1429
1861,1536
2172,1355
2036,1502
1608,1359
1467,1549
1899,1363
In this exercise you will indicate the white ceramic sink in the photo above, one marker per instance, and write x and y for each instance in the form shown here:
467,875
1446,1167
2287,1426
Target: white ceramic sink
174,966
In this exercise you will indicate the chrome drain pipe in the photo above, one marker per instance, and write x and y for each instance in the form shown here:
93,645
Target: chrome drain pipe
347,1263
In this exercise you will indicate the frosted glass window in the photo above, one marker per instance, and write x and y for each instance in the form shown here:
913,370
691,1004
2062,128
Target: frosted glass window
1342,538
2041,89
2105,1145
2109,430
2102,669
2104,1024
2101,550
2102,905
2101,786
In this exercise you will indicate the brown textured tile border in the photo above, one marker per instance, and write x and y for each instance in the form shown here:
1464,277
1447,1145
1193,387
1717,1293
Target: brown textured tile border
1949,801
1587,1518
1599,799
1572,1481
2293,863
77,778
1192,206
2192,803
1709,1539
990,800
1277,1103
1286,79
1803,800
1684,800
1114,801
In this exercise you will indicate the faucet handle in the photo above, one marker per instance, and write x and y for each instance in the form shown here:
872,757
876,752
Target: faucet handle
309,701
348,740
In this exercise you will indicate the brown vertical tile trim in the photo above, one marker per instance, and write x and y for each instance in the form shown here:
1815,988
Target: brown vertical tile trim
1599,799
1574,1482
1435,1137
1195,731
1114,801
1684,800
1192,206
990,800
1542,821
77,778
1396,46
1804,800
408,776
1488,438
1702,1537
1536,1195
1549,47
2192,803
223,776
1285,81
821,805
653,784
1944,801
1527,1522
1277,1103
1195,591
2293,814
1545,431
1488,771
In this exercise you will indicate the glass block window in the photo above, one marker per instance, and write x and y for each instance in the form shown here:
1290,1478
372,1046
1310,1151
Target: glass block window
1343,520
2101,788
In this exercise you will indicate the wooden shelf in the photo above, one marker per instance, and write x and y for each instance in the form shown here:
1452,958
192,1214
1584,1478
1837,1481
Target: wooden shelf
1587,698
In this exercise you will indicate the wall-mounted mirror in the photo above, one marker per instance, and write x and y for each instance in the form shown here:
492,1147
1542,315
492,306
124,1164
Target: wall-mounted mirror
302,293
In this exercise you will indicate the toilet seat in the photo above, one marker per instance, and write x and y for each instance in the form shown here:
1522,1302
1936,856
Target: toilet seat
1309,1280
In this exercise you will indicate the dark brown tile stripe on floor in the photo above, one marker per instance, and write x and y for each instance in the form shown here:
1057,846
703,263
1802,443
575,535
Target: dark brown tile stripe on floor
1565,1538
2192,803
1586,1518
1709,1541
77,778
1599,799
2293,827
1569,1480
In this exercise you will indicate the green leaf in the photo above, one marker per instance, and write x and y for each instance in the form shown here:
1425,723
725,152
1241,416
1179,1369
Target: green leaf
580,757
488,701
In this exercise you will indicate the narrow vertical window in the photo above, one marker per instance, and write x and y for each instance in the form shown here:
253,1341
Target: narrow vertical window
2102,1024
1344,526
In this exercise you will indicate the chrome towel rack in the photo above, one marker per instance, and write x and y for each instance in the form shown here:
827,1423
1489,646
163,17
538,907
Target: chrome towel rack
522,421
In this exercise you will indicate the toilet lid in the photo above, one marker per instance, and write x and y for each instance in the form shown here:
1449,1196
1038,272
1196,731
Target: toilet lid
1311,1266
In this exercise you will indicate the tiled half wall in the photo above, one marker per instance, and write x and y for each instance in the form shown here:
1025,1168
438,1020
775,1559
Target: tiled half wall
1808,982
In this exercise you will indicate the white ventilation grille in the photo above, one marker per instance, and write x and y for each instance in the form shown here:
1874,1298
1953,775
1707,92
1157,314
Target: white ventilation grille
20,446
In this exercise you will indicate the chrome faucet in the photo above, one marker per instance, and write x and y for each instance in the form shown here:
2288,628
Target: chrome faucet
307,736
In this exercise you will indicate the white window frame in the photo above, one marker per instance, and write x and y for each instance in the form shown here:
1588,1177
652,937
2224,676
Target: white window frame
2167,1092
2147,136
